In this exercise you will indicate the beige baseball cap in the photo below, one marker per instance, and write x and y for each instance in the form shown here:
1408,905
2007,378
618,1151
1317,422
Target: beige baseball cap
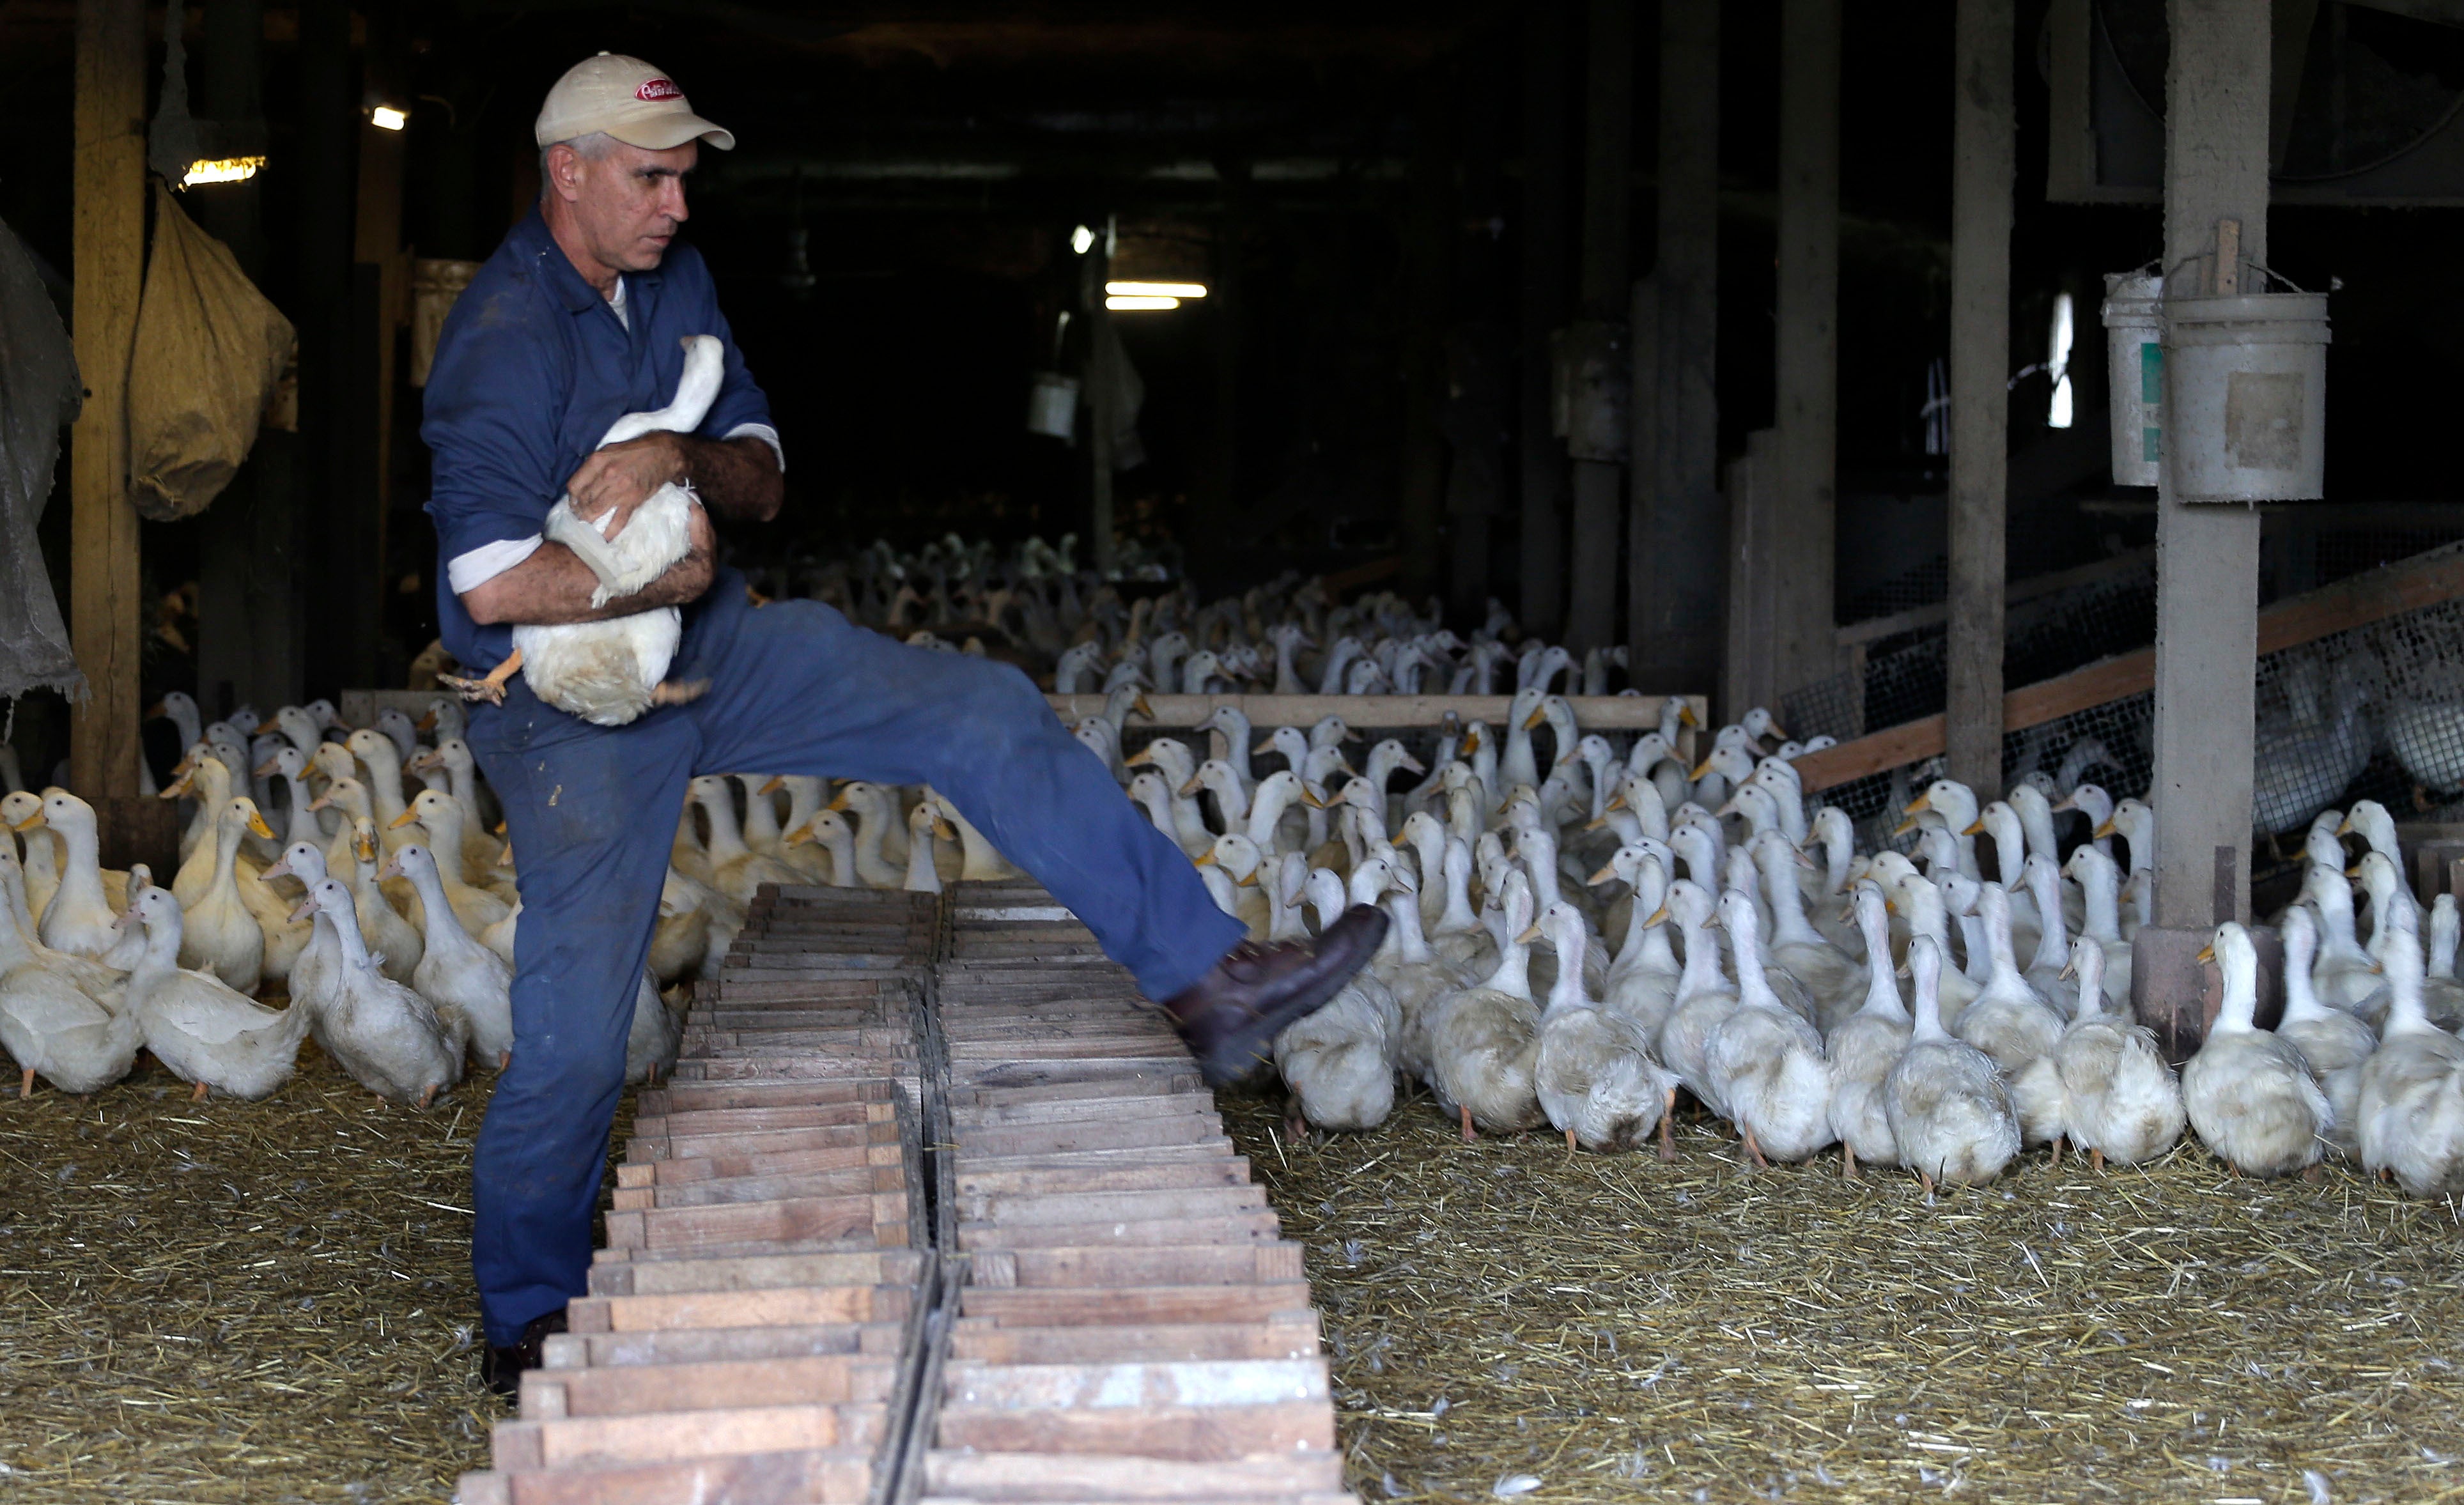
627,98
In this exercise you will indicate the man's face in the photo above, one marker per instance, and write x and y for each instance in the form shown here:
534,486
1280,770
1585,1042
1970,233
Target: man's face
627,202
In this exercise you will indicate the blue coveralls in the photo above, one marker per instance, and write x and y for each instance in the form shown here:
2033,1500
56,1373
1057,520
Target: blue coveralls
532,367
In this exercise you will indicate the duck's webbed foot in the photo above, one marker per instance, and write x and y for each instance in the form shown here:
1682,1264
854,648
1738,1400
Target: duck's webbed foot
490,687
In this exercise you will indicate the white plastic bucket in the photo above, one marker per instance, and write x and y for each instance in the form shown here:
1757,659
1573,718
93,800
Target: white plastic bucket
2246,396
2134,354
1052,405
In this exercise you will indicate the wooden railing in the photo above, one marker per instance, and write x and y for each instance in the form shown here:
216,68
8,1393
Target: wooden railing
1591,712
2423,580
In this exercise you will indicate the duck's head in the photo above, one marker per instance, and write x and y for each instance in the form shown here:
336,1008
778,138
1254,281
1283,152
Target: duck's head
364,839
372,747
155,910
328,896
22,810
300,860
827,827
412,861
241,811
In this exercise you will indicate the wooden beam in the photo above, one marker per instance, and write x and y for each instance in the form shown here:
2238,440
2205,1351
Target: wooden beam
2424,581
109,256
1591,712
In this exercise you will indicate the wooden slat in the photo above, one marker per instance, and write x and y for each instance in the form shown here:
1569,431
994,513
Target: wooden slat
2425,580
1384,713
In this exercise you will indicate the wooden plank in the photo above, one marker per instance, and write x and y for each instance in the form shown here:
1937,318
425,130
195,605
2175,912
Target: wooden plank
1384,713
709,1345
2425,580
823,1477
658,1436
1088,1207
1292,1334
780,1306
792,1220
823,1379
1183,1433
874,1167
657,1277
1133,1307
108,252
1139,1265
995,1475
1261,1227
722,1191
1061,1175
1095,1386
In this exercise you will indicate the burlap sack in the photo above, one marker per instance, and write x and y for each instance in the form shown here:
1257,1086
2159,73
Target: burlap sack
210,354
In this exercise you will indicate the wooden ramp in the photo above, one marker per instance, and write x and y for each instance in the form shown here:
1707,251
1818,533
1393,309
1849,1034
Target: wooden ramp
935,1208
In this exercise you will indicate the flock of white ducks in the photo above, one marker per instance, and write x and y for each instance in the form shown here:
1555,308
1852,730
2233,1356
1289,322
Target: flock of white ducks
1941,1011
383,923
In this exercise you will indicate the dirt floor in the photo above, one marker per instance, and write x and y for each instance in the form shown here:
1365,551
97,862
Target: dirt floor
1509,1321
271,1302
261,1301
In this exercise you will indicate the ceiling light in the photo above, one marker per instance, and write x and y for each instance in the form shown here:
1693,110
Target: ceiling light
1081,238
386,118
221,170
1124,303
1157,290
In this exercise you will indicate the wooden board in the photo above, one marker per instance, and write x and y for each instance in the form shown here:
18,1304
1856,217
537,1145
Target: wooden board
2425,580
1383,713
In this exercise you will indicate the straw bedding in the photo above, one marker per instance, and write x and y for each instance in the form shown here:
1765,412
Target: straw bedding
260,1301
1507,1319
270,1301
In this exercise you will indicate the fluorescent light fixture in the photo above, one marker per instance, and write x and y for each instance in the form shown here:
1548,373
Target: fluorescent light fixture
386,118
221,170
2057,362
1157,290
1122,303
1081,238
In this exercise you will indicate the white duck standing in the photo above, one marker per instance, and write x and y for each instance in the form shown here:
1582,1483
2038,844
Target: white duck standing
455,972
1866,1045
51,1026
1339,1062
390,1040
1765,1060
198,1028
313,969
1595,1075
610,672
2120,1099
1949,1112
2249,1093
2332,1042
2412,1087
1484,1041
83,917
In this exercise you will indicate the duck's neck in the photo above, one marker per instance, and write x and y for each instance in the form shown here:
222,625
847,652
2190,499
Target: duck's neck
443,924
1702,969
1566,991
81,871
1882,988
1236,744
355,946
2103,888
1786,901
2011,855
1513,973
2300,991
761,821
2054,944
1926,1023
226,837
922,877
1752,983
2240,1005
385,780
1410,944
803,802
726,840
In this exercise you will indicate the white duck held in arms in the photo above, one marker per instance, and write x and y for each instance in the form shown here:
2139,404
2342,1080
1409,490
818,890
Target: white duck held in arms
610,672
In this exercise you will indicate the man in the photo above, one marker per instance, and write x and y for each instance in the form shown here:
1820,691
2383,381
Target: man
573,322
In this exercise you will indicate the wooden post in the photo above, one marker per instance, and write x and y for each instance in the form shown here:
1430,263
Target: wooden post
377,240
1542,304
1805,640
1094,267
1983,122
1676,623
110,253
1608,192
2207,552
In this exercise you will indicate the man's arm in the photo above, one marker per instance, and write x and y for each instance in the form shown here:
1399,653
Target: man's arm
736,478
553,586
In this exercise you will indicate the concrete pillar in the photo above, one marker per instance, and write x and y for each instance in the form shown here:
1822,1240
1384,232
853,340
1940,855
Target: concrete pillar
1608,193
1981,172
2207,552
1675,623
1542,300
1807,387
108,249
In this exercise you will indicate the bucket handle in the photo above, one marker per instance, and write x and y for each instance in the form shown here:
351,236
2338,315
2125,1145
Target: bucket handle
2204,257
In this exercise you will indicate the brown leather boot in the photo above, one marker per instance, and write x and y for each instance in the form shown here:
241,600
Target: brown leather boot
1230,1016
500,1369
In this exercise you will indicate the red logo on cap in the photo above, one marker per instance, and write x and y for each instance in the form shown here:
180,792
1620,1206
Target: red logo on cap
659,88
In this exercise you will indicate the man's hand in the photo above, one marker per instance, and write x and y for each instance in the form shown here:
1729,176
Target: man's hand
553,585
622,477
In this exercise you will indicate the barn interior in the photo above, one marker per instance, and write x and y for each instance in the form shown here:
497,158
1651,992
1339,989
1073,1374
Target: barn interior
1771,354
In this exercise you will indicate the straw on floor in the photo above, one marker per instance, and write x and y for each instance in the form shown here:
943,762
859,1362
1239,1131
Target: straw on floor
1507,1320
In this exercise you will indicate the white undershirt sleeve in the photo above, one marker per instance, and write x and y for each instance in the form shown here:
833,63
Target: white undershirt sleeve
469,571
